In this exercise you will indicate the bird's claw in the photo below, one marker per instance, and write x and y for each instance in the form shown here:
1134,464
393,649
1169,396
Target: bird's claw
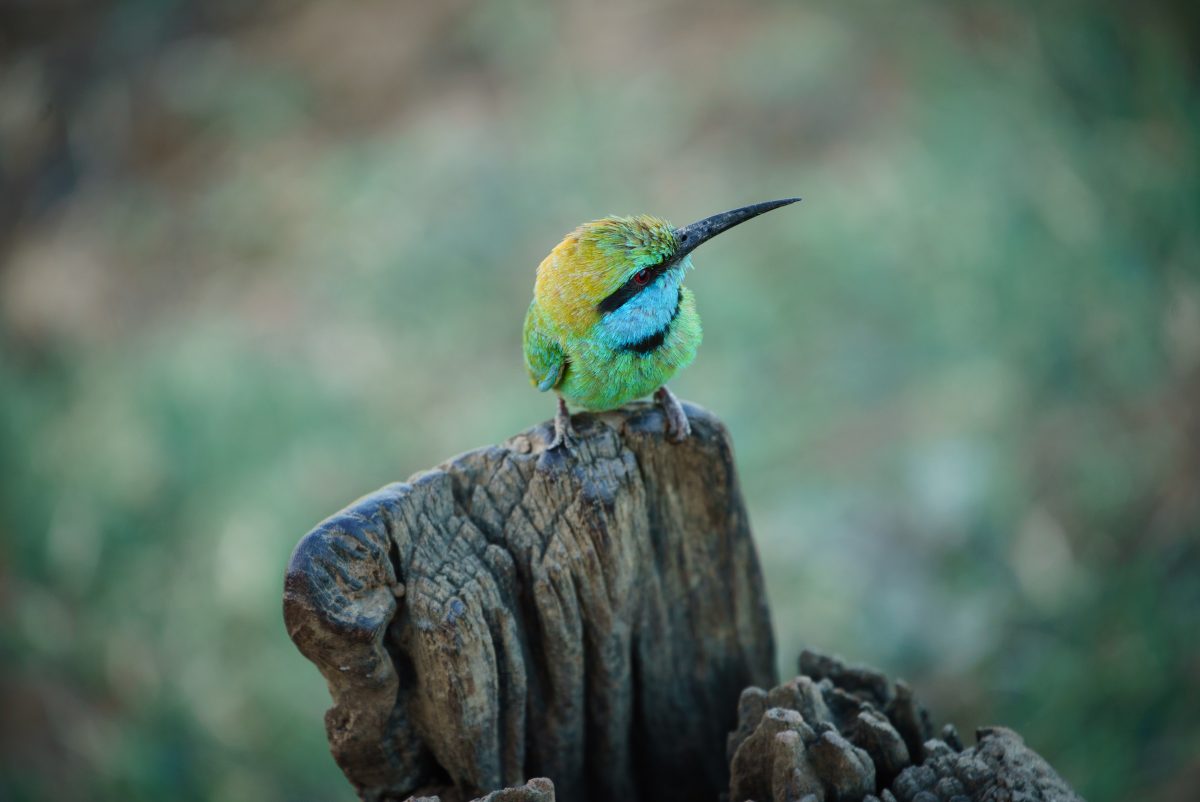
564,432
678,427
563,440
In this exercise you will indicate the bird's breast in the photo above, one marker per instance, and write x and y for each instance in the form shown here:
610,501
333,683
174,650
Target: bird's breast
599,376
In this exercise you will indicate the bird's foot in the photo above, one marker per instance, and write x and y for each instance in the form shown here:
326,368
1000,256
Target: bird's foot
678,428
564,432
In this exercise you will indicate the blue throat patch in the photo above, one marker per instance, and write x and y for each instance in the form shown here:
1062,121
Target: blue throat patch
645,316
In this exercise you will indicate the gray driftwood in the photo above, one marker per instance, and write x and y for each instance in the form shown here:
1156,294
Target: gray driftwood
587,616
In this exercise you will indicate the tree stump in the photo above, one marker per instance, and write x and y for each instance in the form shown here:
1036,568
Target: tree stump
595,620
588,616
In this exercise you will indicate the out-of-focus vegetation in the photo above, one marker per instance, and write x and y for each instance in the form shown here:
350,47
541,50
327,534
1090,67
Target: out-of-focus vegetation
258,261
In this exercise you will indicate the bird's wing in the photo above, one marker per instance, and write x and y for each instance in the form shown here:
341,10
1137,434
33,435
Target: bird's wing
544,356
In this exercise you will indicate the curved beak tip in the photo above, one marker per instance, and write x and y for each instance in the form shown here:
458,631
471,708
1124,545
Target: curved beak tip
692,236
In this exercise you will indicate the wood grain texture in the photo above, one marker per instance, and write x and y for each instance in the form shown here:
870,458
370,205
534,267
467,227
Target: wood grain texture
841,733
589,617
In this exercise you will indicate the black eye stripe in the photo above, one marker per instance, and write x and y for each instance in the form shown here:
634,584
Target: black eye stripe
631,288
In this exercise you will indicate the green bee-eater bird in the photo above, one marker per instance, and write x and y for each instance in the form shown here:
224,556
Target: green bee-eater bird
611,320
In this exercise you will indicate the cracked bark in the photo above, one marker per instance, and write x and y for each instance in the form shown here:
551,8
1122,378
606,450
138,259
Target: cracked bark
585,616
595,620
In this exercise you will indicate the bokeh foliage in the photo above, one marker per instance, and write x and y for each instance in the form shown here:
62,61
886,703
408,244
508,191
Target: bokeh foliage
258,261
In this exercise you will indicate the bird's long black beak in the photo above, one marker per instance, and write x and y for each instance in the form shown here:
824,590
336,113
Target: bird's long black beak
694,235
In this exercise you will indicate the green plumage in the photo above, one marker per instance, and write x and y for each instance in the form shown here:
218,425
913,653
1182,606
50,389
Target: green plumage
610,319
591,374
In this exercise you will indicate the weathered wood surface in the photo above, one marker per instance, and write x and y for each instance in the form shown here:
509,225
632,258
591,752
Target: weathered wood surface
539,789
839,733
596,621
589,617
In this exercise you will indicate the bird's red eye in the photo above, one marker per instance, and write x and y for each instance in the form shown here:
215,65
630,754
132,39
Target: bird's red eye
642,277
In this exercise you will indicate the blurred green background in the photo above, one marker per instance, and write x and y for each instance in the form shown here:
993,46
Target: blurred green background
258,259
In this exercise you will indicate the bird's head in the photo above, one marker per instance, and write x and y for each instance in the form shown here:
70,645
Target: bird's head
622,274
